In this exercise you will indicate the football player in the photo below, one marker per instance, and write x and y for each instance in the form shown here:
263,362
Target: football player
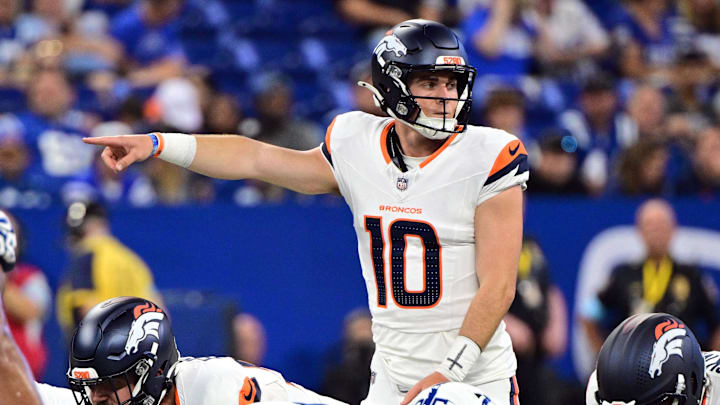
654,359
124,352
17,387
437,208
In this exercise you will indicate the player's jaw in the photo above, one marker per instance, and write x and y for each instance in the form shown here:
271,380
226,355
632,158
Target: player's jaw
110,393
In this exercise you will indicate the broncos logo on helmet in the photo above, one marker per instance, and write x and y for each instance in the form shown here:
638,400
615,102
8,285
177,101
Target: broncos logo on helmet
668,337
649,359
146,323
391,43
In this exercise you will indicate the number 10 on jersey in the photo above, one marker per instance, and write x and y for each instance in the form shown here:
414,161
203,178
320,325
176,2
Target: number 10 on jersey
399,230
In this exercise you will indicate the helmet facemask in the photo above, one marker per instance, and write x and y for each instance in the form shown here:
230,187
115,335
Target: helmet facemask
132,379
394,97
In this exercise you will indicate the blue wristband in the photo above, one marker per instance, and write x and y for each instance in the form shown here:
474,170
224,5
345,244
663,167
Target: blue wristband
156,143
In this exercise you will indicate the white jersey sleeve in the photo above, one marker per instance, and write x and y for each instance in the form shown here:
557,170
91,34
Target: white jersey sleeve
510,166
223,380
51,395
712,374
342,141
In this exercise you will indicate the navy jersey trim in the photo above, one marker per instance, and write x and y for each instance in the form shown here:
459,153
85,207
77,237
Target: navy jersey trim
326,152
520,162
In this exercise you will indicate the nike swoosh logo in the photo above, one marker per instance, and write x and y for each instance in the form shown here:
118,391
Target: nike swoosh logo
249,395
514,151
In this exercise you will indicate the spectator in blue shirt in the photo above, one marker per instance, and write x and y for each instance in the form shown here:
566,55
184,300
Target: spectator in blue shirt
500,39
109,7
649,37
53,130
599,129
150,35
704,178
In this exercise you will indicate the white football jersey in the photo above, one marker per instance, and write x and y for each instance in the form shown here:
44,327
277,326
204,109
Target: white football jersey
712,382
51,395
216,381
223,380
415,231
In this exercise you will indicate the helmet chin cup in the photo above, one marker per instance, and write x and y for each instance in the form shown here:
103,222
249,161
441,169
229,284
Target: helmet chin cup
431,128
434,128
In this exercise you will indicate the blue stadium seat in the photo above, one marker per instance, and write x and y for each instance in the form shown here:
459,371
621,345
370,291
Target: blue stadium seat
11,99
200,51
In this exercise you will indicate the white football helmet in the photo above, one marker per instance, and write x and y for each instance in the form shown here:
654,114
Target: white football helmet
452,393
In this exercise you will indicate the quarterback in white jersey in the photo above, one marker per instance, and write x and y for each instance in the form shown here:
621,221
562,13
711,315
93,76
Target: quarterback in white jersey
654,359
437,209
416,240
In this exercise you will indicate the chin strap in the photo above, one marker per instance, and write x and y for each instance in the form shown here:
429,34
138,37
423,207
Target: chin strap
377,97
426,127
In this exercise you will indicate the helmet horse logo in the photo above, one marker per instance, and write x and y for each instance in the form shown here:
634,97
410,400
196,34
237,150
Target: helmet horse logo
391,43
146,323
668,341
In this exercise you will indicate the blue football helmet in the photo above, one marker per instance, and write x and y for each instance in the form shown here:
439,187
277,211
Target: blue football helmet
451,393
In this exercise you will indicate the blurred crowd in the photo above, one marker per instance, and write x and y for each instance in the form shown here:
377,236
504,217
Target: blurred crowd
610,97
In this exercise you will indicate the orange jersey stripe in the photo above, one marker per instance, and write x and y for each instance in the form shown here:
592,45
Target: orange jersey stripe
508,153
383,140
177,397
439,151
249,392
517,391
327,135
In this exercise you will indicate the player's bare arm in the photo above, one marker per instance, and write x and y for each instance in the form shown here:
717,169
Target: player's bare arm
498,241
226,157
17,386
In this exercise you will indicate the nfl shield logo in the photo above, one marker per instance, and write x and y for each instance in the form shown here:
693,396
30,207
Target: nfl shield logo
402,183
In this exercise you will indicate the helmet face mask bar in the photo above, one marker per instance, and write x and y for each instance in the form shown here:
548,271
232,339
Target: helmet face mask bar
81,388
676,398
421,46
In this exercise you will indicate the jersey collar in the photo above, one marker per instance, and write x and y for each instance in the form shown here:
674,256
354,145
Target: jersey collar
394,156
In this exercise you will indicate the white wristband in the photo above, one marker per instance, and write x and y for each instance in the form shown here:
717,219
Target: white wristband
177,148
461,357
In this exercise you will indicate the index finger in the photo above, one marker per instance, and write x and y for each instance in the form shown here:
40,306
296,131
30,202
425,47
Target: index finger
105,141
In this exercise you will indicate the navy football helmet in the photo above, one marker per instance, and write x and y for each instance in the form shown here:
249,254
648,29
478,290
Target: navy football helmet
651,359
124,341
416,46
